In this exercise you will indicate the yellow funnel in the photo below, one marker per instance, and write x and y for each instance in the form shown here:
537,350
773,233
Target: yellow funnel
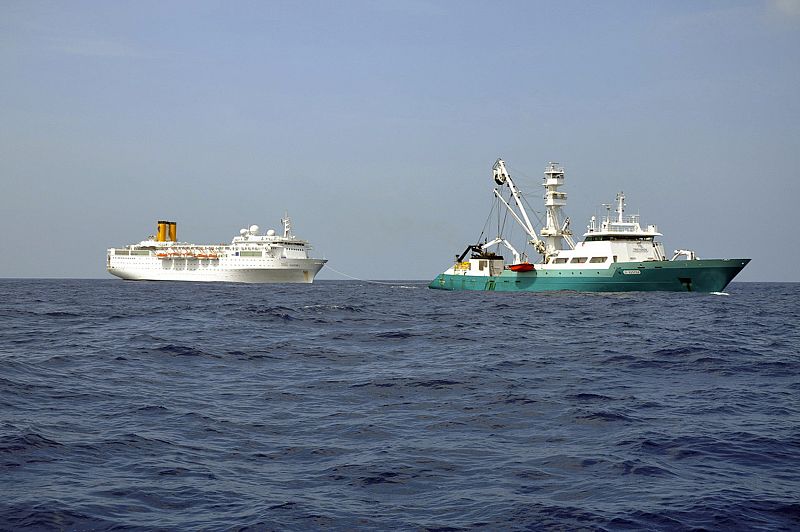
162,231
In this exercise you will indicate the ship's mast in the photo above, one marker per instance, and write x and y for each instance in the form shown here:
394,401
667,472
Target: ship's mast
557,230
287,225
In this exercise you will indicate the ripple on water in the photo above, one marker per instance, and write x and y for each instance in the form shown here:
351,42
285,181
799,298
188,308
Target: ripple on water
358,406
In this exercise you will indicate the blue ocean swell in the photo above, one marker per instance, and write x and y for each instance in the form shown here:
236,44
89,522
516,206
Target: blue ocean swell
356,405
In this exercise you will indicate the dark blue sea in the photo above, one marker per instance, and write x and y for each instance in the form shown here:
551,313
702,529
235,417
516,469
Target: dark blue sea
354,405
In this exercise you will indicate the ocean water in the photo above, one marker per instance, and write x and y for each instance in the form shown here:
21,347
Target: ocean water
353,405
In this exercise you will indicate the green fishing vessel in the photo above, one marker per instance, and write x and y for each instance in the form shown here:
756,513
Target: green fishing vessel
616,254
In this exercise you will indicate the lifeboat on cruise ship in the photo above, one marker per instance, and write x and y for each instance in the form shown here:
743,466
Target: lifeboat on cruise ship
521,267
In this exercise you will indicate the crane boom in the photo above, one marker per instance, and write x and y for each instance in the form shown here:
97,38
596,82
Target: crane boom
502,177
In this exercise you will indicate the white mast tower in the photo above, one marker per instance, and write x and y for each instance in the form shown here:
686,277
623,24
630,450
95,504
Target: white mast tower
556,231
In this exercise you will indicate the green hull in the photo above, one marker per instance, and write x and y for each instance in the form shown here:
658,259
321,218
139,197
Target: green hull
705,275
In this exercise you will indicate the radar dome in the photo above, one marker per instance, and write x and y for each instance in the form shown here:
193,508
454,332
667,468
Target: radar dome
254,229
242,232
271,232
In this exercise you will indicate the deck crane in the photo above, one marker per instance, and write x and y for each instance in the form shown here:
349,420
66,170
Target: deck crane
502,177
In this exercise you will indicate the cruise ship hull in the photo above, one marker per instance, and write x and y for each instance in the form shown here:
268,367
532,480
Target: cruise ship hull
152,269
703,275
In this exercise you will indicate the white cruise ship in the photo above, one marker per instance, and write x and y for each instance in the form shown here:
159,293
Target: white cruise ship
251,257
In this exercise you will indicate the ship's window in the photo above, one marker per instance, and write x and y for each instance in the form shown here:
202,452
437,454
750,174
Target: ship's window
578,260
598,259
560,260
481,264
615,258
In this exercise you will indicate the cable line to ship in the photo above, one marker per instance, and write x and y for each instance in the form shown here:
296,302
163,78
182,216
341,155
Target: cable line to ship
357,279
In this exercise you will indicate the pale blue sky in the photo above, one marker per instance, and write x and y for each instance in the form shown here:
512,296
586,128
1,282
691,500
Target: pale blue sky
375,124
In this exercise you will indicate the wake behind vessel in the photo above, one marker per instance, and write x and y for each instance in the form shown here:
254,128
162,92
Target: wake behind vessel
251,257
616,255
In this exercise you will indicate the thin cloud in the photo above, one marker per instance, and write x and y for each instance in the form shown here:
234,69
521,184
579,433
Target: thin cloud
37,28
787,7
87,47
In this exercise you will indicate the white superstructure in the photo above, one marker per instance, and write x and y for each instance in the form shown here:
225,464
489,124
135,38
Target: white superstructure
251,257
612,240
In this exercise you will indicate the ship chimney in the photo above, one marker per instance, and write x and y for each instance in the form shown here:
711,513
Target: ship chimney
173,231
161,235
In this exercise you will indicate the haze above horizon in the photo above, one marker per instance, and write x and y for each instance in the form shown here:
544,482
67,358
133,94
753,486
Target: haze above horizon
375,125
